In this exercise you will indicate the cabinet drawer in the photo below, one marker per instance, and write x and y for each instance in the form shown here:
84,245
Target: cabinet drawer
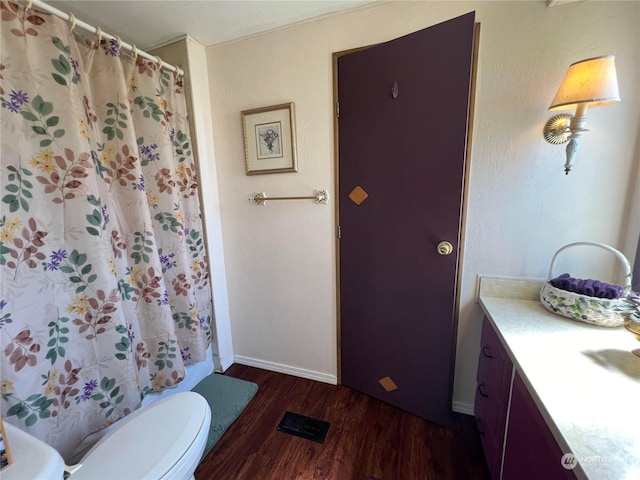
491,346
492,449
494,366
493,415
493,379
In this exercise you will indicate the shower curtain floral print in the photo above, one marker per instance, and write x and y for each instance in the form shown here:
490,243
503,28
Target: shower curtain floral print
104,293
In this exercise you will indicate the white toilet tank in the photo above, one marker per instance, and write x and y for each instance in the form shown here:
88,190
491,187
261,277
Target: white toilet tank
31,458
162,441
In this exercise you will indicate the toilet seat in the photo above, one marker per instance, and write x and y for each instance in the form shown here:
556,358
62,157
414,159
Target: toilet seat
162,441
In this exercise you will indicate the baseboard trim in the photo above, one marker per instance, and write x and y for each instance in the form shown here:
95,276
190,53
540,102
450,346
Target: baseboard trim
288,369
460,407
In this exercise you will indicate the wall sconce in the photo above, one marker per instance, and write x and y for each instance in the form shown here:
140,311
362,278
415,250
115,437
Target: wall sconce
588,83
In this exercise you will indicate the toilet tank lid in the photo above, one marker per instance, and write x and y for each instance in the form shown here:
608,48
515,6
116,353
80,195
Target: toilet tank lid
148,442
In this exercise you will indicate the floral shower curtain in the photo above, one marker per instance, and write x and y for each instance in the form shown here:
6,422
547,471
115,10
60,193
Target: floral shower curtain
104,293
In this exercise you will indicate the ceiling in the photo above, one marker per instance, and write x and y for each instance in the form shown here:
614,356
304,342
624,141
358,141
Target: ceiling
152,23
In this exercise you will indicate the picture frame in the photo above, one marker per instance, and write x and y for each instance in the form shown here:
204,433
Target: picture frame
5,453
270,139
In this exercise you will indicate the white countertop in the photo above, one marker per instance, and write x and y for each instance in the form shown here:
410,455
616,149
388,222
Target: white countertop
584,378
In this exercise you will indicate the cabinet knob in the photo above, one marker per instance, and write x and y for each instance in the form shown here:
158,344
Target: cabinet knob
486,349
481,392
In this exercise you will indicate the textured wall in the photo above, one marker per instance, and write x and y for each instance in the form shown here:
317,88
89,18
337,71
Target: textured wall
280,259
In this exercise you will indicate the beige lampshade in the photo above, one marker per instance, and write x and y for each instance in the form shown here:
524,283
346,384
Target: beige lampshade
592,81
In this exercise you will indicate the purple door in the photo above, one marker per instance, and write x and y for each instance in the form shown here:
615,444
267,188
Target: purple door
403,115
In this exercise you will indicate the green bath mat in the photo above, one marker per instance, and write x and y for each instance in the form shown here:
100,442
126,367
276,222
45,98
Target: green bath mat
227,397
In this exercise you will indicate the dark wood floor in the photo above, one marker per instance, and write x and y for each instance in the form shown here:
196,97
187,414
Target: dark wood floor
367,439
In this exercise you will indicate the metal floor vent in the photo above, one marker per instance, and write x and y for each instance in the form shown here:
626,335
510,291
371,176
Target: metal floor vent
304,427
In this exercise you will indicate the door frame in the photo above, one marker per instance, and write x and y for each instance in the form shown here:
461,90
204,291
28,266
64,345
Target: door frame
465,190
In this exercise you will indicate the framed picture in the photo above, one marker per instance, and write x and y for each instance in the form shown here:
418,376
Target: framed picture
270,139
5,455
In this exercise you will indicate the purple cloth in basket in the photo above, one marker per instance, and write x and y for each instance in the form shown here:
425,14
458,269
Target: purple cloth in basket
561,282
589,287
597,289
614,291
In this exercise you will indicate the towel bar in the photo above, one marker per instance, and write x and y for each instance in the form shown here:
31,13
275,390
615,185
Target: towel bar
321,196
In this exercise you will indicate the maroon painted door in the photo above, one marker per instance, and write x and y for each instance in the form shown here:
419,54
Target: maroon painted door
403,110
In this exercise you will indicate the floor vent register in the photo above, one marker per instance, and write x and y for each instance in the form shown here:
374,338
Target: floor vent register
304,427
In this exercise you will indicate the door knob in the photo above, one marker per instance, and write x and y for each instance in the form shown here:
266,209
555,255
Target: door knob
445,248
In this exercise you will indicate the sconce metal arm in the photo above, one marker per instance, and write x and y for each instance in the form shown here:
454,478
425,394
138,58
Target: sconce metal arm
564,128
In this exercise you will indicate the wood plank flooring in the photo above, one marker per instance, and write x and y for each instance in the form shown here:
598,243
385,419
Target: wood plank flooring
367,440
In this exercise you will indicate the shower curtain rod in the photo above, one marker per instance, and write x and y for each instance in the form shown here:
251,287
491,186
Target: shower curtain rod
91,29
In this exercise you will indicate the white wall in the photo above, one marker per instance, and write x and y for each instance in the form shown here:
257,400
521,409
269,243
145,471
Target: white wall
280,259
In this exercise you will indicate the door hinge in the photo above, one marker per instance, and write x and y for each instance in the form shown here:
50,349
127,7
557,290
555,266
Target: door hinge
338,109
339,232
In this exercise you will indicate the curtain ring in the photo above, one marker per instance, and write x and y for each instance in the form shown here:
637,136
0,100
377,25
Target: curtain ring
28,5
159,60
99,35
134,49
119,40
72,17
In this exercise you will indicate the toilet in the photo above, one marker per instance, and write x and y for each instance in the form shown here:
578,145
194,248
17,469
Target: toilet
163,441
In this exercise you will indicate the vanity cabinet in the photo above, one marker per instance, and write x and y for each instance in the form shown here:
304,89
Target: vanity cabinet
517,442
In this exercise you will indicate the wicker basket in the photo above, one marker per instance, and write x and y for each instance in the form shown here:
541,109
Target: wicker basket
593,310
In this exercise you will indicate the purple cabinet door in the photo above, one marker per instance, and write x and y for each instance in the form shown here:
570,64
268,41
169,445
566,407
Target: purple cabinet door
531,451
